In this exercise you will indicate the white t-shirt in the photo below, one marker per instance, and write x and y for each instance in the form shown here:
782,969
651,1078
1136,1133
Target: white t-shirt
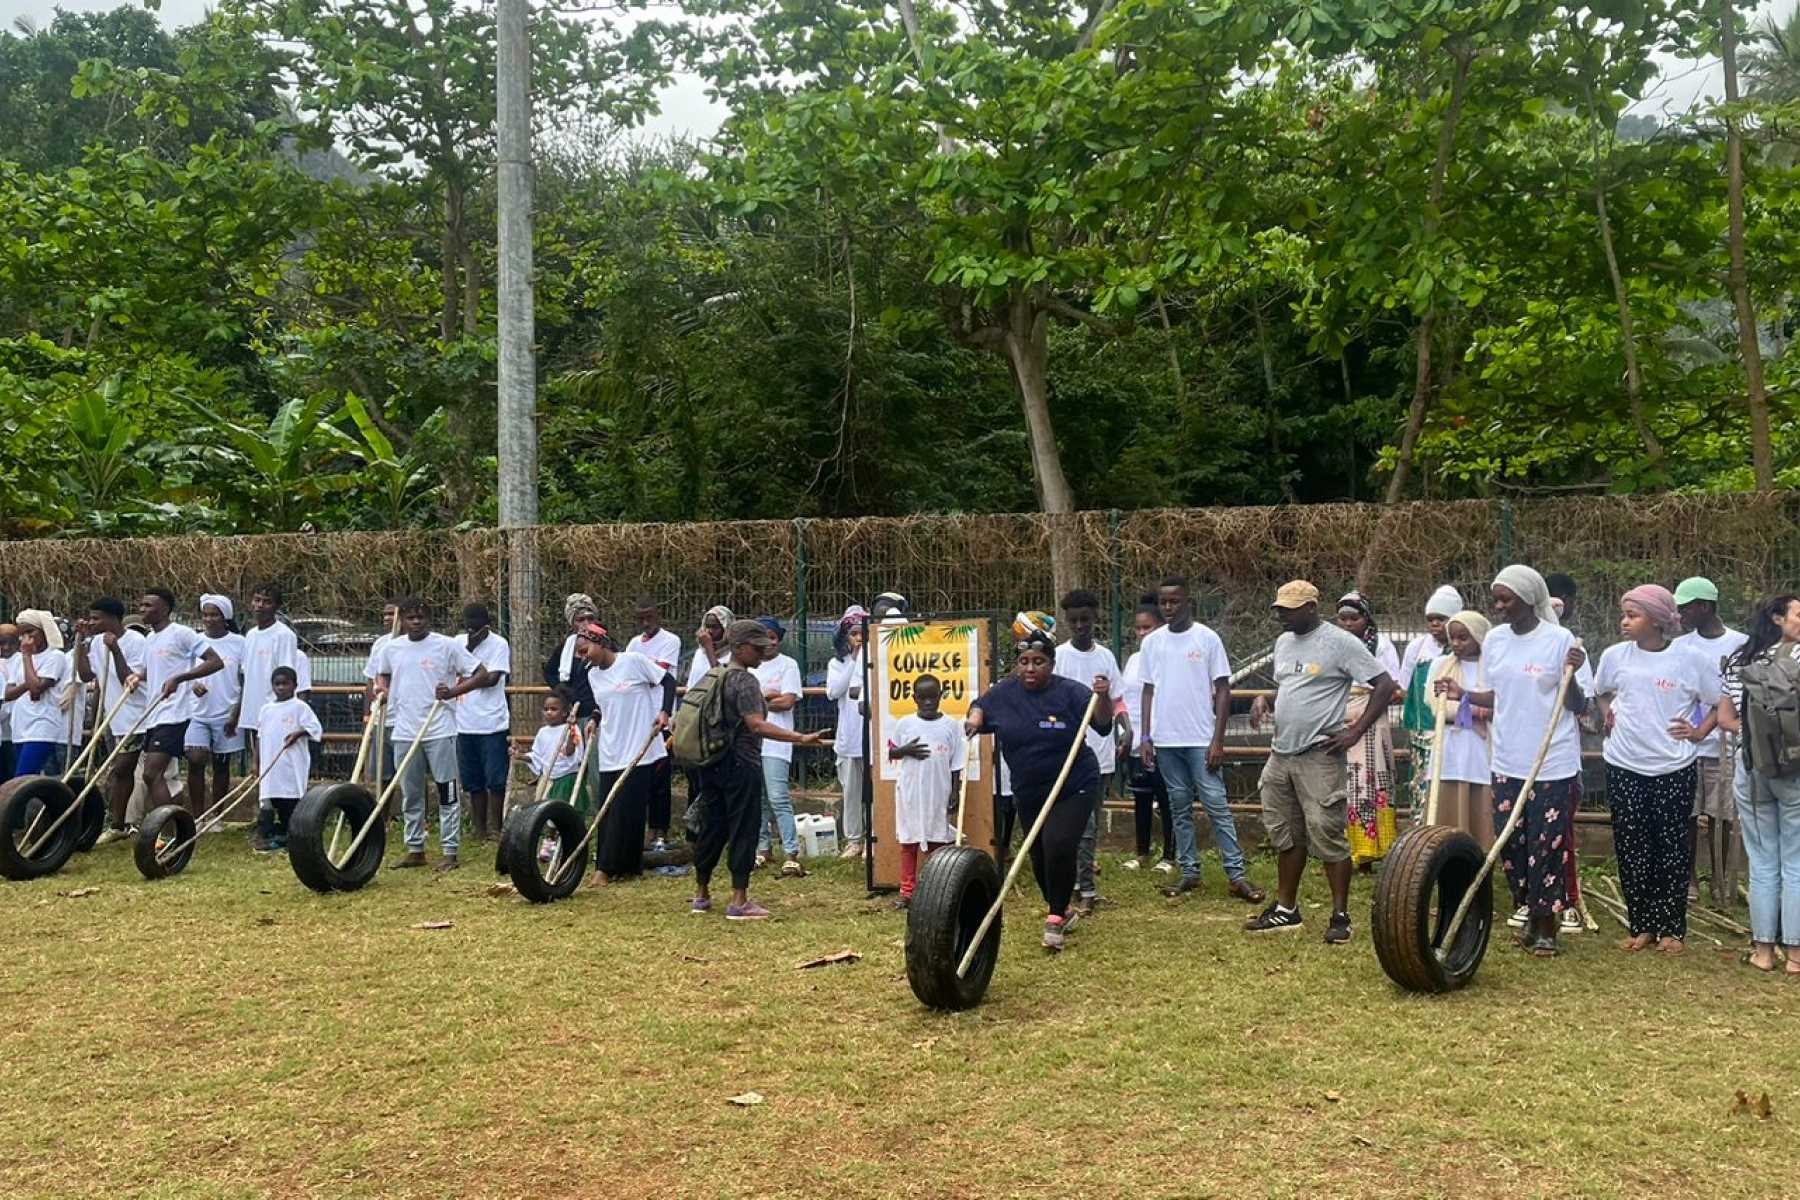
698,666
415,670
922,796
1131,691
1423,648
275,722
547,752
1462,754
485,710
1389,658
43,719
302,672
629,694
779,674
1181,668
371,670
1648,691
661,647
1524,673
1084,666
264,650
168,653
1713,650
222,687
843,676
134,648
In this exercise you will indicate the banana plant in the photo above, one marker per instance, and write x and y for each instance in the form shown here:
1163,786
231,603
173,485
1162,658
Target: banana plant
401,485
289,466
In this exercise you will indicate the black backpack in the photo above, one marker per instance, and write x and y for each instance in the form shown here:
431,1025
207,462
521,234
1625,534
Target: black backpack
1772,714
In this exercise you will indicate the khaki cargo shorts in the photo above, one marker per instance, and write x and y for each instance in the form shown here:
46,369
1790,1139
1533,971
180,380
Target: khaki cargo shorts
1303,803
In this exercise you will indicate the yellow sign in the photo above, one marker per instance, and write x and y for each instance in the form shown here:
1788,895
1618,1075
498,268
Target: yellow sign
950,650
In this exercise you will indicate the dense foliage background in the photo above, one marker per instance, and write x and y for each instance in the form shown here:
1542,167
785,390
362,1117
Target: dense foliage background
1211,251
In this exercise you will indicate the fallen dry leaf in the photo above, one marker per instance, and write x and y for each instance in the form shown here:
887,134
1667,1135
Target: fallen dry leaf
434,925
1741,1104
1333,1097
1360,1140
842,956
265,920
1764,1109
693,959
747,1100
502,889
78,893
925,1043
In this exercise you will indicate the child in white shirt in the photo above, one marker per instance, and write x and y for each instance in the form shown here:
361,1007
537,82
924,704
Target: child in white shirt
931,752
283,729
557,747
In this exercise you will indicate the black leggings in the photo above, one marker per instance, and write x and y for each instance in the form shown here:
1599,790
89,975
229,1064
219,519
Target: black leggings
730,802
1053,854
661,775
1650,820
1148,792
621,835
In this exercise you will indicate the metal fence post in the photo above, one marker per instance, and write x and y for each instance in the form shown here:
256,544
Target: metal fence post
1117,584
800,571
1506,534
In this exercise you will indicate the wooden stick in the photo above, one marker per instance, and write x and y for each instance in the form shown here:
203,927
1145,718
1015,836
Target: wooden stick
544,780
70,811
380,812
970,749
87,754
1512,822
556,856
1720,919
1062,777
216,814
611,794
376,713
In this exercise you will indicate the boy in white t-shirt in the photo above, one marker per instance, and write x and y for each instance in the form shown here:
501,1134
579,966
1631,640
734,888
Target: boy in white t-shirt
1715,800
931,752
284,726
779,678
1084,660
484,722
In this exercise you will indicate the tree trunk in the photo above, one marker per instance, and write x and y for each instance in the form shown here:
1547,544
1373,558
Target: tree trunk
1440,167
452,253
1634,379
1762,455
1271,409
1028,352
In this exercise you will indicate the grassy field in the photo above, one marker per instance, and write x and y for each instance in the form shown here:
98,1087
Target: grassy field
229,1034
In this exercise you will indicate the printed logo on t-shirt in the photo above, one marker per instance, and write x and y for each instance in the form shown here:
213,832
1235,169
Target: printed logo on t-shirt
1665,685
1533,670
1306,668
1053,722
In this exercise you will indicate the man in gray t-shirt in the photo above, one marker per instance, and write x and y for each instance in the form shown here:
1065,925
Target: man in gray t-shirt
1302,785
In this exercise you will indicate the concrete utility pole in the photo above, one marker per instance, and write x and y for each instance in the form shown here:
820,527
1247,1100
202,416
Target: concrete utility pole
518,449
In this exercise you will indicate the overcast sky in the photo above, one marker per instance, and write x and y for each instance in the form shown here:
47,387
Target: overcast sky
686,109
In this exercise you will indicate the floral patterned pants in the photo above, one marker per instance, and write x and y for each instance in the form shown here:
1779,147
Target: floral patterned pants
1540,857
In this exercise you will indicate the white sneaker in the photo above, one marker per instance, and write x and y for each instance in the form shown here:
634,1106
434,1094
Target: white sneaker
1571,921
1165,866
852,850
1520,915
109,836
1130,864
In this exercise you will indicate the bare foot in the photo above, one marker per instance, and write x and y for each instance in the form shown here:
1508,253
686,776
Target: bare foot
1765,960
597,879
1793,960
1636,942
1670,945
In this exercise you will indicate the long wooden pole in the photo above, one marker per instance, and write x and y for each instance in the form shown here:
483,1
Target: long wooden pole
215,815
380,811
1437,763
962,791
1512,822
1062,777
611,795
73,808
87,754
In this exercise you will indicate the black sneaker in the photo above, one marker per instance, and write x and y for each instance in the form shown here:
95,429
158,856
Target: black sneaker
1274,919
1338,931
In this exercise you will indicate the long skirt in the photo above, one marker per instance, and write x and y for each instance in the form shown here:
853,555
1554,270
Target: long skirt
1468,807
621,836
1369,783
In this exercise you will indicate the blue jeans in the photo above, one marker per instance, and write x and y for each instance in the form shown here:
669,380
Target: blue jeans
1184,773
1768,812
777,807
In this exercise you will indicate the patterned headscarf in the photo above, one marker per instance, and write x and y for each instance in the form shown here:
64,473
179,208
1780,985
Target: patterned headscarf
579,604
1360,602
853,616
1035,628
723,614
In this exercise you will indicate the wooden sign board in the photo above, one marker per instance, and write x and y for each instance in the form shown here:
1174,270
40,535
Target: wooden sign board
957,651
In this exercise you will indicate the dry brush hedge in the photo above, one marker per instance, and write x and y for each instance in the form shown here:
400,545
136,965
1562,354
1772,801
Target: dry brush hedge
997,563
